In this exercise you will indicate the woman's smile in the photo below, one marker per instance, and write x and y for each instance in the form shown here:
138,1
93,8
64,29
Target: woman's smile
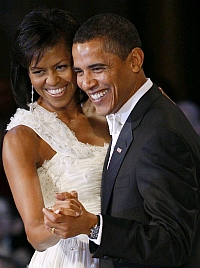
58,92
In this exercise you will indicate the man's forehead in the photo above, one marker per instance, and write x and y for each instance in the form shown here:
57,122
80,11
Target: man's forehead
92,44
87,51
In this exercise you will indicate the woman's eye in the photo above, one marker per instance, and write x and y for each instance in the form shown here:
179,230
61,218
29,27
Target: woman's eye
38,72
61,67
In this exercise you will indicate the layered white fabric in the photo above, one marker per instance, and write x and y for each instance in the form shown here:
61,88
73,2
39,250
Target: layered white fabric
75,166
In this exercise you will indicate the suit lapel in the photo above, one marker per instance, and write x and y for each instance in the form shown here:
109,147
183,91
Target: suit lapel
124,141
110,174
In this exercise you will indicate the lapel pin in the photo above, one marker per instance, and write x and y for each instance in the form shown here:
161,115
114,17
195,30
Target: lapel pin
119,150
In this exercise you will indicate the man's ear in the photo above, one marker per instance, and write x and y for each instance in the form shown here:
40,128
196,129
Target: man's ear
137,59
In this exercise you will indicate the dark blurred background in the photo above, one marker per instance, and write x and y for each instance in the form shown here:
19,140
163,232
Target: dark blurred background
169,30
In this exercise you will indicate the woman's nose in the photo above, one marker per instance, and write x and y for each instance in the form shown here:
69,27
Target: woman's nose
52,78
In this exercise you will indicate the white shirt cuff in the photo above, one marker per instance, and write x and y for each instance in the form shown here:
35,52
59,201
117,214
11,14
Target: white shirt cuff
98,240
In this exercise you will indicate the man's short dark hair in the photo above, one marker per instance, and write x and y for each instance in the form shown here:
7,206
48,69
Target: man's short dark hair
118,34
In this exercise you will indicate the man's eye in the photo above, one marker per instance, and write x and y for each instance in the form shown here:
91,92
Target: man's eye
98,69
78,72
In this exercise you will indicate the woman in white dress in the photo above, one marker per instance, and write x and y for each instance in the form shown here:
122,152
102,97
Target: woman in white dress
52,145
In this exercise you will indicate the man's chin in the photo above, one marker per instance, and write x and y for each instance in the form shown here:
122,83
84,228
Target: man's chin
102,110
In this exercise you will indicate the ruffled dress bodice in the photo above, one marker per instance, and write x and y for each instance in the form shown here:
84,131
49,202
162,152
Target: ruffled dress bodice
75,166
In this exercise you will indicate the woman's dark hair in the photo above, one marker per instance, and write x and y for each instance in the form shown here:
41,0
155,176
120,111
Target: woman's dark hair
40,30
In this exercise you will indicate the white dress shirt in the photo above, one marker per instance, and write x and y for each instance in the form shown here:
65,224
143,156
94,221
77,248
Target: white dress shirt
124,113
116,127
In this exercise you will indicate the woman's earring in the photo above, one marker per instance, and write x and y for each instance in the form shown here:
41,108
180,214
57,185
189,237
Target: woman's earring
32,93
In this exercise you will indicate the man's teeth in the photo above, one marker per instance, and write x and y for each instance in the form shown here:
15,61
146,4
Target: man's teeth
98,95
56,91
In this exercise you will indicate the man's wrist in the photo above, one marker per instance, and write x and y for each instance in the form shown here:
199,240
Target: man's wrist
94,231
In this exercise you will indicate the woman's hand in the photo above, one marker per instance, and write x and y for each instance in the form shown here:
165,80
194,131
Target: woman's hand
67,204
68,217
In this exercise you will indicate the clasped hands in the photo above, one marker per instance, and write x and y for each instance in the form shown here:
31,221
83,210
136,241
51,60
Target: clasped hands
68,217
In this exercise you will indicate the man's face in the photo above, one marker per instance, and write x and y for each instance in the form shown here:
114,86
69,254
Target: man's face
108,80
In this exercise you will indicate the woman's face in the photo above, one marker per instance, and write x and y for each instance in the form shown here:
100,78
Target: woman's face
53,78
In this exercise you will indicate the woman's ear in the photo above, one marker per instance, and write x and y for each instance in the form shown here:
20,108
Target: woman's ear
137,59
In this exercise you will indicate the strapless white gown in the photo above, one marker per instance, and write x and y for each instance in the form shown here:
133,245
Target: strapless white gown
75,166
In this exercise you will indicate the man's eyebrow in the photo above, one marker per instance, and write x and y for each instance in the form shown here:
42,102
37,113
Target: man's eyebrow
96,65
91,66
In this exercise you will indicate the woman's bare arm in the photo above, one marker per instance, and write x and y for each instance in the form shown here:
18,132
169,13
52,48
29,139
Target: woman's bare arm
22,154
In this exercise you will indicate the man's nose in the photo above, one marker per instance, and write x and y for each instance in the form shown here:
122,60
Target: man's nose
88,83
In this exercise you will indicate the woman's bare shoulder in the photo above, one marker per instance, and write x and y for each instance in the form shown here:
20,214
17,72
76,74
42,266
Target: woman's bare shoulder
21,139
22,133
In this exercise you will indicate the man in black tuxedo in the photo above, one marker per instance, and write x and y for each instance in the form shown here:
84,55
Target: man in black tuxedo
150,184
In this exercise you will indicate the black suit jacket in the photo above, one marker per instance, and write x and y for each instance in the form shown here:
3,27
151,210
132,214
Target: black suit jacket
150,192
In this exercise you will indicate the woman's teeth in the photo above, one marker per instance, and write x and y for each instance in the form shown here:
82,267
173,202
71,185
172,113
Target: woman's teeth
98,95
56,91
